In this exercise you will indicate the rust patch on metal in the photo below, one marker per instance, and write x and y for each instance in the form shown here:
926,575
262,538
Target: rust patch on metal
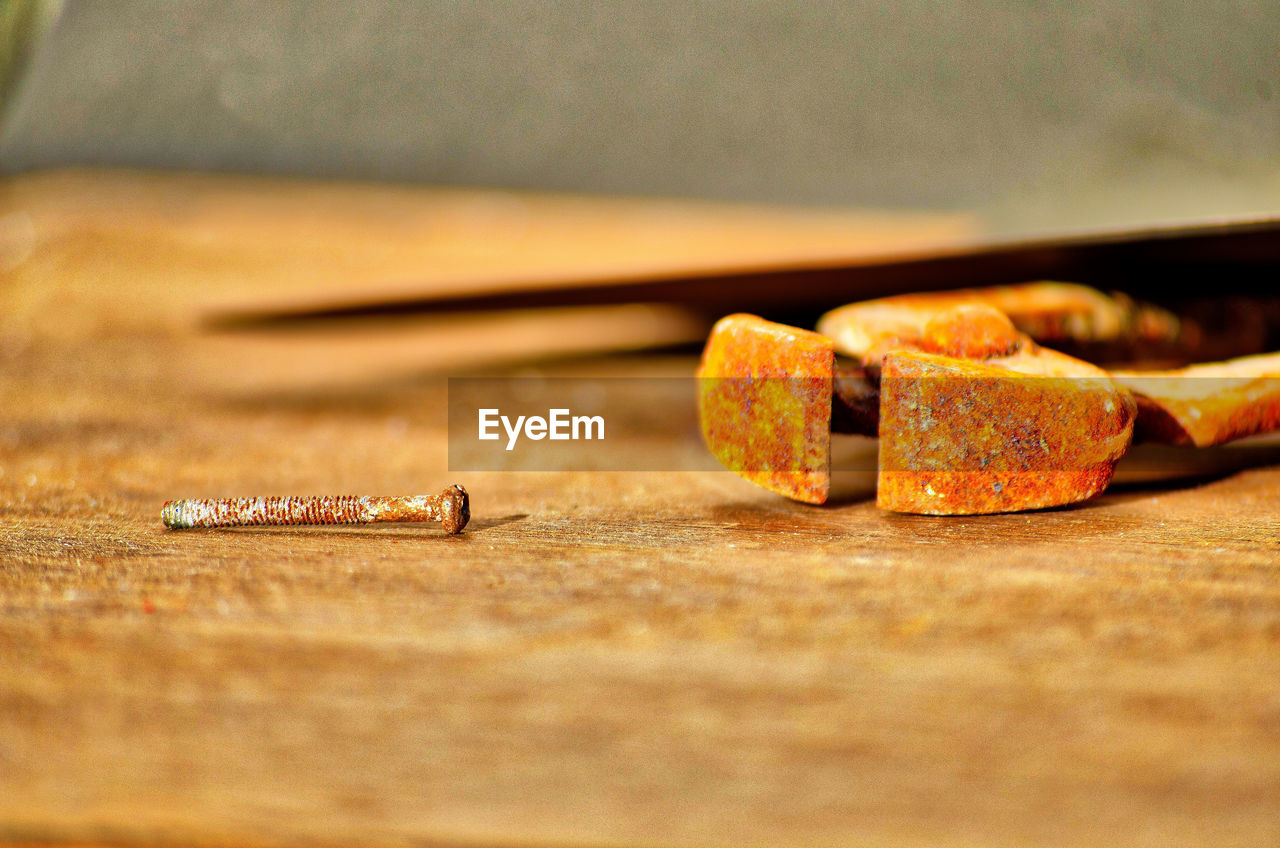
1207,404
971,331
764,404
973,416
1050,312
1032,430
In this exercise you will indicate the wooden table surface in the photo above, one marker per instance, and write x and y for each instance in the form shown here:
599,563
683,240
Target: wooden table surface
648,658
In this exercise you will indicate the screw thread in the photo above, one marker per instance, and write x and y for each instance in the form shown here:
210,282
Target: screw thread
450,507
243,512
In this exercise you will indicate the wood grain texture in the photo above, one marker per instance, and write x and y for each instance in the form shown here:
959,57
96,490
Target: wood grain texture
601,659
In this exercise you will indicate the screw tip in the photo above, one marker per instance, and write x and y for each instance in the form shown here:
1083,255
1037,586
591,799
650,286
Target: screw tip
173,514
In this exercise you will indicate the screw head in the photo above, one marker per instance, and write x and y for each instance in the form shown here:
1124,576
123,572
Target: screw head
455,509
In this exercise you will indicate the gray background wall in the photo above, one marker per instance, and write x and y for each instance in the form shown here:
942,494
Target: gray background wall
1039,114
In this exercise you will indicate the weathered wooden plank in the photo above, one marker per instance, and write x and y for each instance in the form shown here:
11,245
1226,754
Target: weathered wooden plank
603,658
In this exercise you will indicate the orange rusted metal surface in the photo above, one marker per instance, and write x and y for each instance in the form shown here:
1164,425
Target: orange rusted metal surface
764,404
971,331
973,416
1049,312
1207,404
961,437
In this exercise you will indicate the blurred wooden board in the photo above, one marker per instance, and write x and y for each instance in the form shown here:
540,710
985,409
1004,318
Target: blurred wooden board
621,659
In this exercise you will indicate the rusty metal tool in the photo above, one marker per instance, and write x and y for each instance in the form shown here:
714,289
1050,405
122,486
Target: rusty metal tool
973,415
770,396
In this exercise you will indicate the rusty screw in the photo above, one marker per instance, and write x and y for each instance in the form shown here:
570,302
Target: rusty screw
451,508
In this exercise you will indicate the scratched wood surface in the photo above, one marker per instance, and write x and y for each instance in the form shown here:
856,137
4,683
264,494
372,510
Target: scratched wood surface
602,659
